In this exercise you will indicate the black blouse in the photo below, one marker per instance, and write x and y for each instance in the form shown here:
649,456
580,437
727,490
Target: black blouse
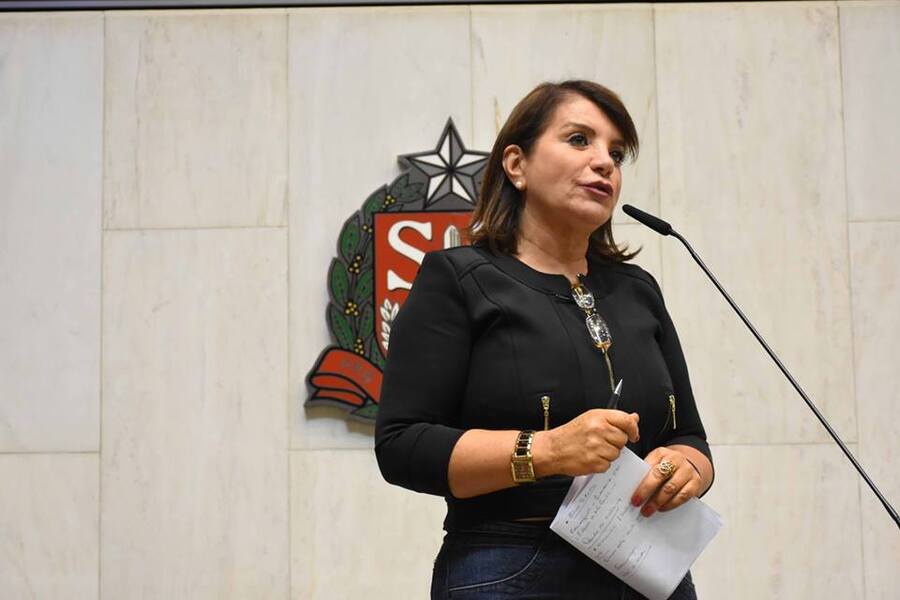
482,337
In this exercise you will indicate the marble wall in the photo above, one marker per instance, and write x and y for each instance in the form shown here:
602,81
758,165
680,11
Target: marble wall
171,187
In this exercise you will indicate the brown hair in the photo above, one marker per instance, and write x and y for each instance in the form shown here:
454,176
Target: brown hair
495,220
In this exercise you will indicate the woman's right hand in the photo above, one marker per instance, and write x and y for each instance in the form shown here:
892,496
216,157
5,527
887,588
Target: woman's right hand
586,444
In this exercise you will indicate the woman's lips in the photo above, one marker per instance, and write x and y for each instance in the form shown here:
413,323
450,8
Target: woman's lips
597,193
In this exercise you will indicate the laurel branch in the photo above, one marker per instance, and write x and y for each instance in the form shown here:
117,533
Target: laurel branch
351,310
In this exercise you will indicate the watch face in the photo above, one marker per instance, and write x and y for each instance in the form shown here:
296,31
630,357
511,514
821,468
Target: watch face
523,471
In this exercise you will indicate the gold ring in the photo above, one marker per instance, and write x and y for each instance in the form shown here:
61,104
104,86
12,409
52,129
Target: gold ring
666,467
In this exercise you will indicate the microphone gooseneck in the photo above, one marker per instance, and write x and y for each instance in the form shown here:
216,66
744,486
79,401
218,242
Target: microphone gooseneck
663,228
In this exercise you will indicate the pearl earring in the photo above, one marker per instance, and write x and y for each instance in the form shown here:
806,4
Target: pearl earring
519,184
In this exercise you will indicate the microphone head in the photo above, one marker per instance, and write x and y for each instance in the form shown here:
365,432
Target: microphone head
654,223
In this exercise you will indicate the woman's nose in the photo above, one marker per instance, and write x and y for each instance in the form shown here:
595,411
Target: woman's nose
602,162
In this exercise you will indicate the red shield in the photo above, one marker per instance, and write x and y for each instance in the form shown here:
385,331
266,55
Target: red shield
401,241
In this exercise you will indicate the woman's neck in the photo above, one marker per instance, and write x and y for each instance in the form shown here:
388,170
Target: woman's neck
551,250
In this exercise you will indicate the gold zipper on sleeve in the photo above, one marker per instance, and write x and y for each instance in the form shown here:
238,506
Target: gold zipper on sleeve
672,408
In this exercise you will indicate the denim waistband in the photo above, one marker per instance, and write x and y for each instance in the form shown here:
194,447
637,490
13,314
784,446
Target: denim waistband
531,529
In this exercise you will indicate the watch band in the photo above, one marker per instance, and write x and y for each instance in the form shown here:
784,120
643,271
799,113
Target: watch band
521,462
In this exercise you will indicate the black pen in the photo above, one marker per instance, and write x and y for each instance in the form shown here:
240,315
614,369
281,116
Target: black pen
614,399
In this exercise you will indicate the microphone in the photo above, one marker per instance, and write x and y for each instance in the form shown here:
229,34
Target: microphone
654,223
663,228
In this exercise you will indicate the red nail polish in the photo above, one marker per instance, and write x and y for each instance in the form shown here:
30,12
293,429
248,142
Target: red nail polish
648,511
635,500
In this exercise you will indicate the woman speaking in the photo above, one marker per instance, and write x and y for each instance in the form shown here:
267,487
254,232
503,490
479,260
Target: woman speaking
502,363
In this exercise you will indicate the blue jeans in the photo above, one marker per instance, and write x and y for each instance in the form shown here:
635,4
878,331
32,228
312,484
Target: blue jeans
505,559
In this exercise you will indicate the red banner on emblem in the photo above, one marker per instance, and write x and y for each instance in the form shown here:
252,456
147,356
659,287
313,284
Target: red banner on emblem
345,378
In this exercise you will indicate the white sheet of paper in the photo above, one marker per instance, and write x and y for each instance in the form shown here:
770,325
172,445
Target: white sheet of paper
651,554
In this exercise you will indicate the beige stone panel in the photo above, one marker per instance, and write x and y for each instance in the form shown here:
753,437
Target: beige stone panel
870,64
194,461
366,85
196,119
875,271
637,237
51,120
791,515
48,526
752,175
514,48
355,536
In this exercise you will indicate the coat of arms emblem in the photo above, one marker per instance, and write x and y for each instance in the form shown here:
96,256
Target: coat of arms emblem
379,250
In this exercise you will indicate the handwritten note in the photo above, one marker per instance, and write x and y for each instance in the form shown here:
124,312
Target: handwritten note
651,554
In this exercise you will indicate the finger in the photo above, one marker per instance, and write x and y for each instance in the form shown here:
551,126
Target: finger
624,421
598,466
637,429
684,494
668,490
607,453
605,436
617,438
651,481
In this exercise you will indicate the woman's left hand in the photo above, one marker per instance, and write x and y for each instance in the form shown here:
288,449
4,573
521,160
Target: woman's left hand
663,493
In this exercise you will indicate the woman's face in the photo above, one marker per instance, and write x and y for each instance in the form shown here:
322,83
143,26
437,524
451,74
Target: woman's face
572,176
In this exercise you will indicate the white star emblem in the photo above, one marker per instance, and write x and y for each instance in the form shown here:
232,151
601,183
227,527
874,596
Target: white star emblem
449,170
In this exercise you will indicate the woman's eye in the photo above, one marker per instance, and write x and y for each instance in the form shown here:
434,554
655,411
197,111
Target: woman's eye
578,138
618,156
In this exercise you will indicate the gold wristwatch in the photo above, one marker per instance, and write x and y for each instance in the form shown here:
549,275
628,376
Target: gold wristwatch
521,460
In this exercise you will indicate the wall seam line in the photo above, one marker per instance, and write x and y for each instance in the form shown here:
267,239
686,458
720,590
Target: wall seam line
824,442
859,483
471,81
659,196
287,207
199,228
103,152
50,453
873,221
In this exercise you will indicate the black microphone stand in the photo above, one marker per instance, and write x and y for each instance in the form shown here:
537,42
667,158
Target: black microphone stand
664,228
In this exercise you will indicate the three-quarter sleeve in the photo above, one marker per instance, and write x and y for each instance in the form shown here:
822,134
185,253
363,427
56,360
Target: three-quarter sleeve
690,431
424,381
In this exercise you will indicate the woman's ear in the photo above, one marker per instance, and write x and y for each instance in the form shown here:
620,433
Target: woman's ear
514,165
